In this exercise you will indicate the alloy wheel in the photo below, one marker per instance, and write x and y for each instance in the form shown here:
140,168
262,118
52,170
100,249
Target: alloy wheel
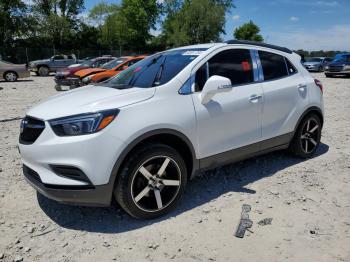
310,136
156,184
11,77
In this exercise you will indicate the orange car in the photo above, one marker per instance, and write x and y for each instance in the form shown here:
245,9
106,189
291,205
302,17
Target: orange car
108,70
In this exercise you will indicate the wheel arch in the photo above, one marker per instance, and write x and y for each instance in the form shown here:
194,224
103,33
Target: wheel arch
314,109
170,137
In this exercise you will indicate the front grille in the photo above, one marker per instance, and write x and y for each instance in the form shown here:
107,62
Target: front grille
31,174
335,68
31,129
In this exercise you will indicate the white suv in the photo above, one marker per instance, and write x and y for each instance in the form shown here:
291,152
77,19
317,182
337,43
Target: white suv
140,136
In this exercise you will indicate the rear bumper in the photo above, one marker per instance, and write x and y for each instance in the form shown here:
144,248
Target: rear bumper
73,195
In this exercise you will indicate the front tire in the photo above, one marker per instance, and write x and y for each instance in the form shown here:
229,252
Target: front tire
151,181
307,137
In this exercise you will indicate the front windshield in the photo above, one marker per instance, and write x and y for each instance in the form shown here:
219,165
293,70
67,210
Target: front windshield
343,58
114,63
315,59
155,70
88,63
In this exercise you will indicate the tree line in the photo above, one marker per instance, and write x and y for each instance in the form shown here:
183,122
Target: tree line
67,25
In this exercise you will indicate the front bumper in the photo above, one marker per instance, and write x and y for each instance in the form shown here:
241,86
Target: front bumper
312,68
33,69
68,81
337,72
93,196
94,155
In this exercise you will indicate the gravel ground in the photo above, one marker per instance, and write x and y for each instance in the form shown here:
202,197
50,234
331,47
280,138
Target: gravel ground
308,201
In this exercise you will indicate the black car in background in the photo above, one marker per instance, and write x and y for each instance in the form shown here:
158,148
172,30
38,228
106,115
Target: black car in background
340,66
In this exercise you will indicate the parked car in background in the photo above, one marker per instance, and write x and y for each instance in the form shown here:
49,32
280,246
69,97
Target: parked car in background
118,64
317,64
66,76
55,63
141,135
103,76
11,72
340,66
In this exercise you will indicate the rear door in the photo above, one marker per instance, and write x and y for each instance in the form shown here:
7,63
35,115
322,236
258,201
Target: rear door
285,94
231,119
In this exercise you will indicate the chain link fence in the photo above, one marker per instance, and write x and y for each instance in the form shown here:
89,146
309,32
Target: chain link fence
22,55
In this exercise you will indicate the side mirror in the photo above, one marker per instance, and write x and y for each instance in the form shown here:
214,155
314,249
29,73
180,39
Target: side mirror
214,85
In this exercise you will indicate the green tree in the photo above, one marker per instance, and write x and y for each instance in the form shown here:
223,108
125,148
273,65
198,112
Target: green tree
139,16
99,13
194,21
12,15
248,31
127,24
57,20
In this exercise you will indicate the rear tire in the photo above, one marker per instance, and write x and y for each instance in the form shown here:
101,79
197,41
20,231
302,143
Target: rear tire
43,71
10,76
151,181
307,137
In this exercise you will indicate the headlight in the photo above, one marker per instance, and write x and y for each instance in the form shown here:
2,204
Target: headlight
87,79
346,67
326,67
83,124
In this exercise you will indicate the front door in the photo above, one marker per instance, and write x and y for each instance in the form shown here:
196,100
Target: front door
231,119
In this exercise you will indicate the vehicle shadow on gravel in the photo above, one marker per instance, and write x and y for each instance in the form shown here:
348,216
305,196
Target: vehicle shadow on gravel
18,81
205,187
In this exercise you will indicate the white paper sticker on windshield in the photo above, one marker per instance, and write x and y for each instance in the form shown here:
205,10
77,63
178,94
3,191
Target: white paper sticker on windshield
190,53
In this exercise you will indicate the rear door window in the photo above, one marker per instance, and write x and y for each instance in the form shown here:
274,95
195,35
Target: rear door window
235,64
273,65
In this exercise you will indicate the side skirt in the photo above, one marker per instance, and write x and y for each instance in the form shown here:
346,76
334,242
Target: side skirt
235,155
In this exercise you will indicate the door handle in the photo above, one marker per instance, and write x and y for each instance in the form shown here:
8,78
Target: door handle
254,98
302,87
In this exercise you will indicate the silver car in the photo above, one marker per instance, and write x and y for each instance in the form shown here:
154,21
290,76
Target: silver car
317,64
11,72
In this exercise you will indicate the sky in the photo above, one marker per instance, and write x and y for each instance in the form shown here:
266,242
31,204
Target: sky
296,24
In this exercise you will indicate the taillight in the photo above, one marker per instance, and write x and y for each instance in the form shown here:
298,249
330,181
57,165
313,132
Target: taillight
319,84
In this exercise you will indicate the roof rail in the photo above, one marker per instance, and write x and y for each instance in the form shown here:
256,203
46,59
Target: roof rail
246,42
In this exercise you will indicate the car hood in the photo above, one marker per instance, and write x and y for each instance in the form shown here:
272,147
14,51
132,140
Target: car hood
311,63
40,61
85,72
88,99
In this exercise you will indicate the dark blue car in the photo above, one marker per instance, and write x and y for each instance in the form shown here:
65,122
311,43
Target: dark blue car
339,66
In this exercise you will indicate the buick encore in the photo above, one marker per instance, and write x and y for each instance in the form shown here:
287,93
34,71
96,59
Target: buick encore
142,135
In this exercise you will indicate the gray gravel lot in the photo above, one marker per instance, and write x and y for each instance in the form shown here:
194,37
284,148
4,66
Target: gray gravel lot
308,201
